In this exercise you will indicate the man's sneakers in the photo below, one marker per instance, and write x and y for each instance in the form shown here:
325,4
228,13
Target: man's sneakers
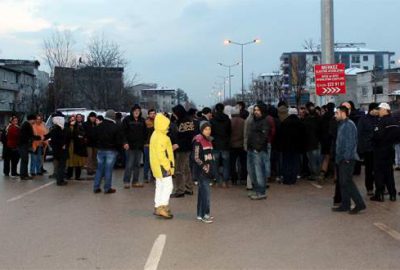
357,209
110,191
127,185
163,211
137,185
206,219
256,197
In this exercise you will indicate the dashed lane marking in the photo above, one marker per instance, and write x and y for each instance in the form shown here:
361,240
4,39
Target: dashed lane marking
388,230
156,253
30,192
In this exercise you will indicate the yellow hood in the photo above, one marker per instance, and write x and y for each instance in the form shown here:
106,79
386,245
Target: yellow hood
161,123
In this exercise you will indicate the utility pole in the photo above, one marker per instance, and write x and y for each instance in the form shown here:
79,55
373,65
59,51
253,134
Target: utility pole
327,37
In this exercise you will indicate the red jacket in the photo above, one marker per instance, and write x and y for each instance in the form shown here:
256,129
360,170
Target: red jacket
12,136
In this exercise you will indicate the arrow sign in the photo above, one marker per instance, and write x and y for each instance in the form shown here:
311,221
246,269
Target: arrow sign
330,79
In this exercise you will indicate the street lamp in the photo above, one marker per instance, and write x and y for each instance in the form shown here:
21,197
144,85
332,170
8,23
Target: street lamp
229,72
227,42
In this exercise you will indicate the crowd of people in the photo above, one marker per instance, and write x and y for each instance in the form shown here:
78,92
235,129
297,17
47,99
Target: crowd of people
222,146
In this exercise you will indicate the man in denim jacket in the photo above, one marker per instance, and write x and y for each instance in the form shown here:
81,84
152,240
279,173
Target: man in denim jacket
346,156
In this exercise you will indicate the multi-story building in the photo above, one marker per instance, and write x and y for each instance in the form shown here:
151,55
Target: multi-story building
160,99
21,83
298,66
88,87
267,87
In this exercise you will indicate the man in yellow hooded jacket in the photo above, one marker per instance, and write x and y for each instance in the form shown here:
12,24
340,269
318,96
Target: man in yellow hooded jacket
162,165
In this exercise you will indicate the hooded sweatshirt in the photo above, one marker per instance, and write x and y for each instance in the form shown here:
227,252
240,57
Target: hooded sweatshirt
162,161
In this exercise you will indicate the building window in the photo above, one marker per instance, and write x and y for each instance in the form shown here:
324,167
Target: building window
355,59
364,91
365,58
376,90
355,66
365,67
315,58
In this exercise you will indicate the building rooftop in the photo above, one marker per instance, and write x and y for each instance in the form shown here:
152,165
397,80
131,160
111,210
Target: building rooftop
354,71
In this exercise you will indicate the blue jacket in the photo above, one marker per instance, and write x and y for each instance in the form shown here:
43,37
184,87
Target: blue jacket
346,141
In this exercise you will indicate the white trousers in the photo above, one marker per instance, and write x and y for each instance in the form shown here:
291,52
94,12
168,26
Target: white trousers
164,189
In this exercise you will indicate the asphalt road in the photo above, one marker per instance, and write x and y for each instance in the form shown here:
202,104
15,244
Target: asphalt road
43,226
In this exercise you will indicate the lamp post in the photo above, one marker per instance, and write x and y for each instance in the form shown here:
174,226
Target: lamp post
229,72
227,42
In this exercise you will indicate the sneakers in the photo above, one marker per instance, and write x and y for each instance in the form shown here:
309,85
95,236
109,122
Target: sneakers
163,211
206,220
177,195
127,186
137,185
97,190
258,197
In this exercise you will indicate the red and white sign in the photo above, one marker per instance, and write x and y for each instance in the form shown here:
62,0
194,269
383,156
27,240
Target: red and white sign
330,79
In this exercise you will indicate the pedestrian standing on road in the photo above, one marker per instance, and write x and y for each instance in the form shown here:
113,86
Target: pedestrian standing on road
59,142
291,137
26,139
162,165
365,128
242,109
135,135
203,157
221,132
182,134
386,135
90,126
108,140
313,129
327,118
346,156
77,148
150,129
238,155
257,152
10,139
38,146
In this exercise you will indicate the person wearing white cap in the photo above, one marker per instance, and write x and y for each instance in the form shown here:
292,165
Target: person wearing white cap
385,136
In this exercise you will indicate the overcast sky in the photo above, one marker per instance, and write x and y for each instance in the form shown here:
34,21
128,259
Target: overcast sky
178,43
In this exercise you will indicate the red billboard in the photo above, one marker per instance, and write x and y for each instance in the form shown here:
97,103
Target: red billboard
330,79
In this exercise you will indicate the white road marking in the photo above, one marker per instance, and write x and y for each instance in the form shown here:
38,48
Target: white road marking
156,253
316,185
388,230
30,192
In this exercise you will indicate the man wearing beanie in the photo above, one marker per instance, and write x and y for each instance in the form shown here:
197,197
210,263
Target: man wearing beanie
135,134
108,139
365,129
203,157
25,143
182,135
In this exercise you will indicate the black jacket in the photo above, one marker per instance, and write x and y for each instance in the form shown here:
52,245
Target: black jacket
78,137
386,134
26,136
60,140
135,132
313,130
221,131
108,136
291,135
182,134
365,129
203,156
258,134
90,128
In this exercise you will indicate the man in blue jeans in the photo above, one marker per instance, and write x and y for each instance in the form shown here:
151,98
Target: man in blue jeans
221,132
257,151
108,140
135,135
346,156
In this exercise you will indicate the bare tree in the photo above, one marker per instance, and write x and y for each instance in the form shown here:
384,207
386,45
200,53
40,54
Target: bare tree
58,50
104,53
